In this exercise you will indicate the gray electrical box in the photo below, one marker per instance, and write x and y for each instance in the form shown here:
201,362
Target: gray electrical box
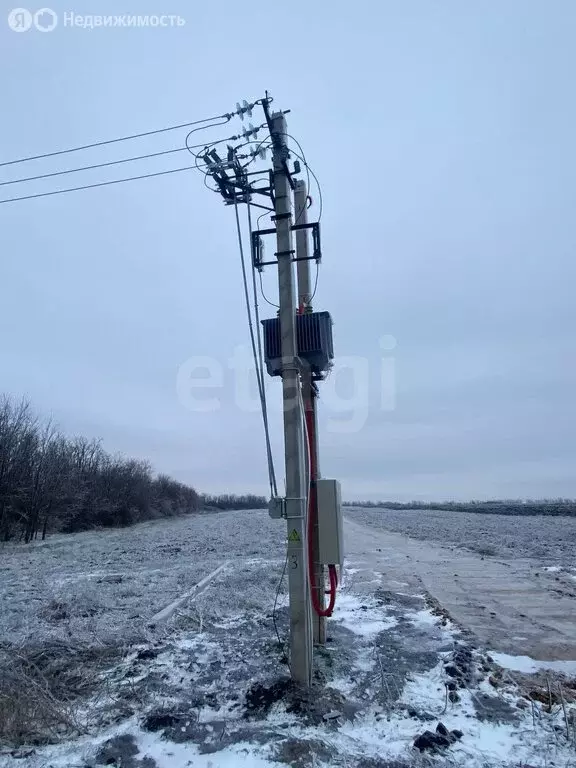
277,508
330,529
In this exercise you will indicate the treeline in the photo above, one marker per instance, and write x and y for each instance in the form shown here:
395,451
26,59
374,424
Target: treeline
49,482
230,501
557,507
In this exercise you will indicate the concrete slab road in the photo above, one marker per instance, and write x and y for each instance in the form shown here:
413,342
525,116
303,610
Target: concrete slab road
504,603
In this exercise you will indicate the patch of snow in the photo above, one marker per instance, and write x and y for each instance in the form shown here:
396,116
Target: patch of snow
483,743
162,560
73,754
424,619
426,691
169,755
364,622
392,736
528,665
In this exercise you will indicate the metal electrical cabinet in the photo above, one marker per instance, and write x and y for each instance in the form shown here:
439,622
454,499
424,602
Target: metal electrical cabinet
330,529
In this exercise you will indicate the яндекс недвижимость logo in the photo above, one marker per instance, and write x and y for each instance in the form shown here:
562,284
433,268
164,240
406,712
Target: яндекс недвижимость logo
22,20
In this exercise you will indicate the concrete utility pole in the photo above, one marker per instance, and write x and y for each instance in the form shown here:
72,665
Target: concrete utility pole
300,614
309,396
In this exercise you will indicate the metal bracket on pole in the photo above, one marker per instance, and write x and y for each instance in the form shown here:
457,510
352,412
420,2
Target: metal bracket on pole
257,244
292,364
294,508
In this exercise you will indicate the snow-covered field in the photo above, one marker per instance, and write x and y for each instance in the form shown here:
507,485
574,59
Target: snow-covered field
209,686
104,586
549,540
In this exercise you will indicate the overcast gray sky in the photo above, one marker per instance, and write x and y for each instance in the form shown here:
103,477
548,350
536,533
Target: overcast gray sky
442,133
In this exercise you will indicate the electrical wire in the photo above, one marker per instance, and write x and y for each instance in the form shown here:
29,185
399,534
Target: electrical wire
117,162
231,138
266,299
205,147
121,138
320,199
202,128
302,157
260,362
315,283
205,180
91,167
275,608
307,450
309,171
99,184
307,492
271,473
311,512
105,165
266,213
119,181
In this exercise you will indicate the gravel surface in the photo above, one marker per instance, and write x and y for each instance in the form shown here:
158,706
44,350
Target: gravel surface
548,540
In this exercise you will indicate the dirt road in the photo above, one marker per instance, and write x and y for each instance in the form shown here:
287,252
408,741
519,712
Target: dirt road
512,606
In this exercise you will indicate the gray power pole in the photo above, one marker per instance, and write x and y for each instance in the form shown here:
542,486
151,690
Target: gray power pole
302,249
300,614
309,396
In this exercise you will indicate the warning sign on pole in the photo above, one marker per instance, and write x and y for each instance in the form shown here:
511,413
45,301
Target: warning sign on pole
293,536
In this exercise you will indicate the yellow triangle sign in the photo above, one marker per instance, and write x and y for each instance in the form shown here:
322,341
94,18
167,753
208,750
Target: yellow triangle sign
293,536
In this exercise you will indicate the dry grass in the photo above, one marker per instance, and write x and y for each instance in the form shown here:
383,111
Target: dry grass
43,691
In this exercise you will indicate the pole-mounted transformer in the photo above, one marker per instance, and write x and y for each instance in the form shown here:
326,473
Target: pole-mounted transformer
298,347
313,342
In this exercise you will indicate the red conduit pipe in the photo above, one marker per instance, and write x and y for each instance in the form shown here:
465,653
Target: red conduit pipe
333,575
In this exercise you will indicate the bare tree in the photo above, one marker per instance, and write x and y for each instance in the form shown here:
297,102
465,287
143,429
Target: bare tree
51,482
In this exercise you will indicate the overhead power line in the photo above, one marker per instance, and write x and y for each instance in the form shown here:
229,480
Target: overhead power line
257,354
99,184
225,117
90,167
111,162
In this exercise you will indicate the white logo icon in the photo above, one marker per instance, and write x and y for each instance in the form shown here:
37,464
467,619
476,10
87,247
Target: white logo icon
45,20
21,20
